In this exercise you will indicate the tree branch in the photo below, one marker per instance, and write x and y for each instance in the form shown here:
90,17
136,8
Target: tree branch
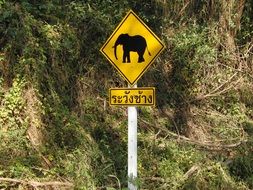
37,184
209,145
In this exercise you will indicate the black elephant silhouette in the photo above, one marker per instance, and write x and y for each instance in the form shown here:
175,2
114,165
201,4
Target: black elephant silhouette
135,43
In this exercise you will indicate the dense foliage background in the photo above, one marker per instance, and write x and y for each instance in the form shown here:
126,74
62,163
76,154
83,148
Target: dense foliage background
57,130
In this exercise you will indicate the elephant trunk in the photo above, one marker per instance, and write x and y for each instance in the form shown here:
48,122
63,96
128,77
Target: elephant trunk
115,49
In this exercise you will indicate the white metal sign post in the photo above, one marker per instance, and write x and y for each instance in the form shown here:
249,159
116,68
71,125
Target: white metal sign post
132,146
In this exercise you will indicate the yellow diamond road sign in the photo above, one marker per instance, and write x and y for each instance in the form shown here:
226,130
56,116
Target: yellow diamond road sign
132,47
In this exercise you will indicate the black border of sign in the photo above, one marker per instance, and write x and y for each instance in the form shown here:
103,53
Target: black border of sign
148,65
138,88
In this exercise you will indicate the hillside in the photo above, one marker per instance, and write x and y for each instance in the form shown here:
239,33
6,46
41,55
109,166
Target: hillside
57,130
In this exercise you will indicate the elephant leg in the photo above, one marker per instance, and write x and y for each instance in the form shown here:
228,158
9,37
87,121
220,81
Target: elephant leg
141,58
124,57
128,57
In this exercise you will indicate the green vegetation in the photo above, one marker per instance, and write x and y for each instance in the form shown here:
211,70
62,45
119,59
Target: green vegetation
57,130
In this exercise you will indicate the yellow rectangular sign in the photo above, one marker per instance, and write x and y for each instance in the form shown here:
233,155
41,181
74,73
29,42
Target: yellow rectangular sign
144,96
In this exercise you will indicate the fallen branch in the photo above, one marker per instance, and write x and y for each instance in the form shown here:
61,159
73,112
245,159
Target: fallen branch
191,171
36,184
218,91
118,181
182,10
209,145
159,179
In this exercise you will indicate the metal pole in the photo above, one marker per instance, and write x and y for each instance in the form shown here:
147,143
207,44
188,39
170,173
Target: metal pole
132,146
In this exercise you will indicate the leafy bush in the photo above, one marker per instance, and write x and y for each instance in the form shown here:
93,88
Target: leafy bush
213,176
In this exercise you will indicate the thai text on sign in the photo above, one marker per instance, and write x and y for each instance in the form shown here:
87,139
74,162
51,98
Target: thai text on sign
132,96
